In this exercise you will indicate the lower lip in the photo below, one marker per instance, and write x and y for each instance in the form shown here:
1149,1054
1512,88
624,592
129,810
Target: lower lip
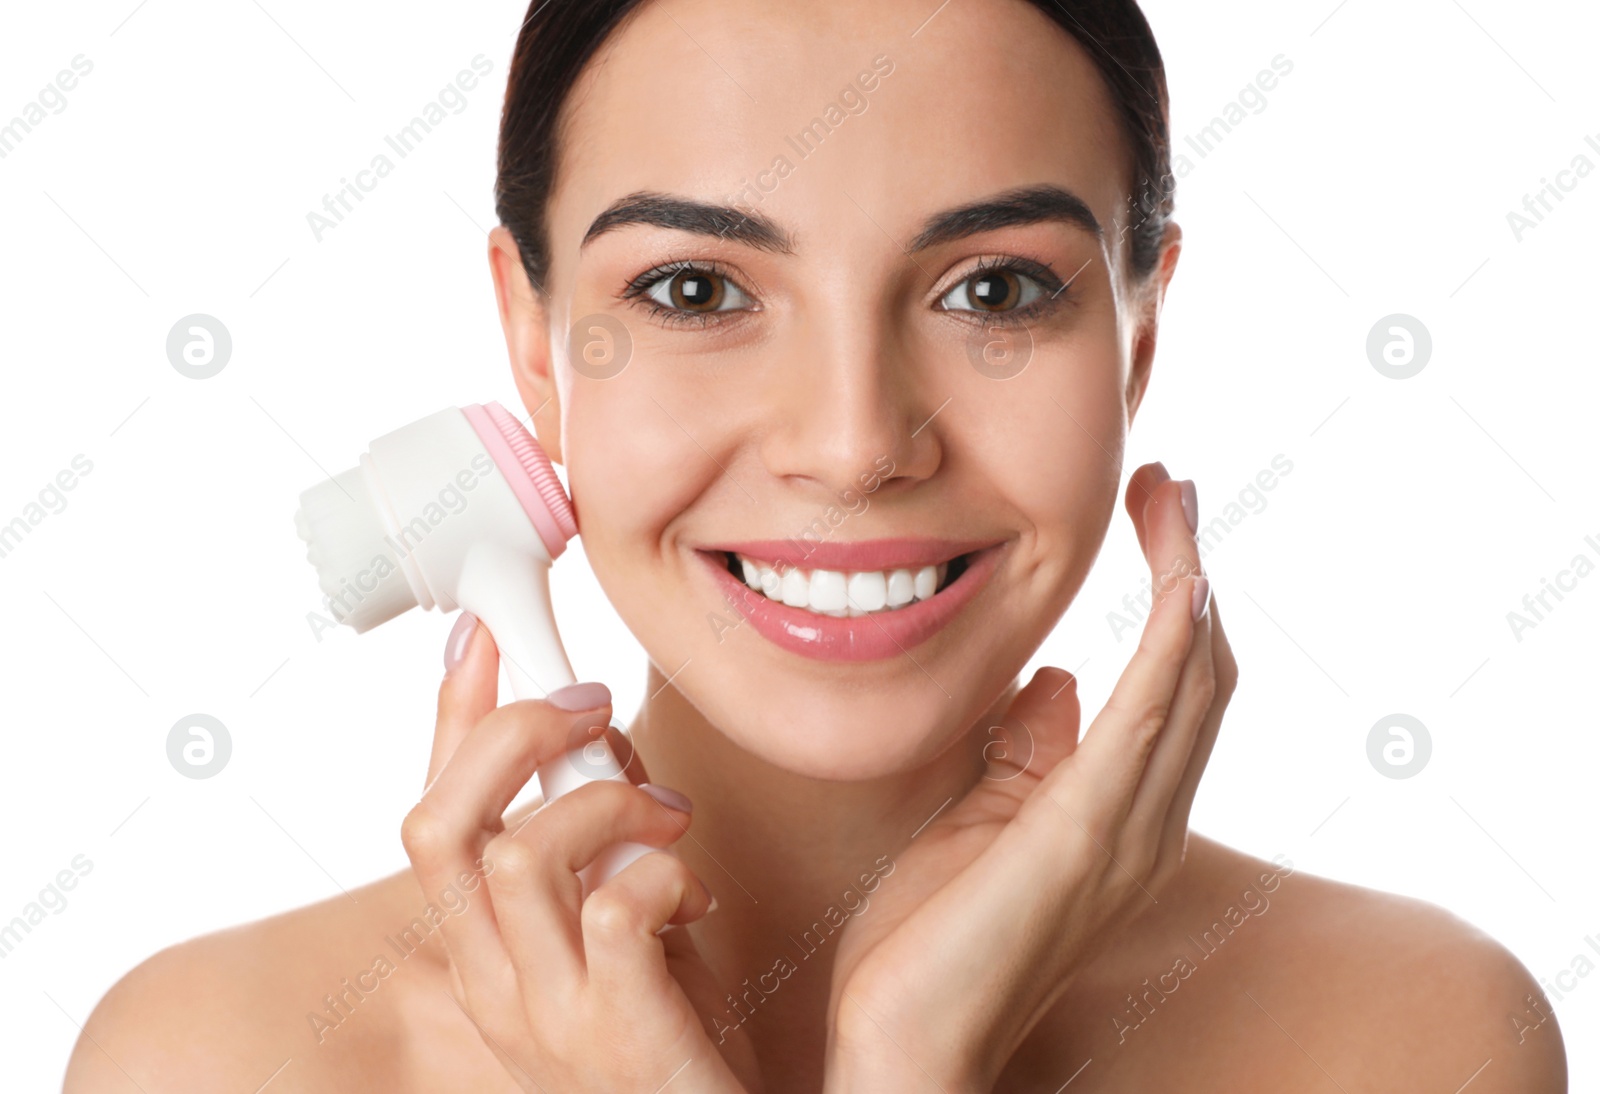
869,637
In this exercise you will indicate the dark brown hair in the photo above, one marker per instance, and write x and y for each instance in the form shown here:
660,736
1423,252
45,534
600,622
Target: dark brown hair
558,39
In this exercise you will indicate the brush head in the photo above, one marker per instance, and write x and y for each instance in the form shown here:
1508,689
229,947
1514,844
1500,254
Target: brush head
527,470
395,532
344,534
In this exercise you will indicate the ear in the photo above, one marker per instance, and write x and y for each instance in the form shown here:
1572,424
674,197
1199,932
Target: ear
1151,296
524,317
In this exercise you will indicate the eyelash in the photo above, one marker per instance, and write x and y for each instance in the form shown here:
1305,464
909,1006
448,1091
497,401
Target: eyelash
1054,292
638,289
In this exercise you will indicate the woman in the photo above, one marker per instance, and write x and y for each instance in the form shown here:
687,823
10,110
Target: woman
838,316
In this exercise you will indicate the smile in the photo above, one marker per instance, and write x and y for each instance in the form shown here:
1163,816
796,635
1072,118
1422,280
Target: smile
851,601
845,594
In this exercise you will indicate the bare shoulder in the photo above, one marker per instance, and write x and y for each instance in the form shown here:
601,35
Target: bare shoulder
1250,974
1375,990
314,998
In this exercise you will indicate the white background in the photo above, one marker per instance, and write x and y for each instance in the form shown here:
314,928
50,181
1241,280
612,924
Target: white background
1377,579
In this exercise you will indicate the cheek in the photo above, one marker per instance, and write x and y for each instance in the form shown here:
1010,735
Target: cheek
1051,440
633,471
631,467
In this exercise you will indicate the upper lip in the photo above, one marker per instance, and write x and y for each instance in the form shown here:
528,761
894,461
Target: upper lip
894,553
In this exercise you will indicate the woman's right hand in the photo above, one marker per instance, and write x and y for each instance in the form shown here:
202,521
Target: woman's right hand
571,994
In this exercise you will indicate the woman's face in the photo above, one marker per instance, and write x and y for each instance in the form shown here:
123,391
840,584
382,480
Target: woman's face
838,368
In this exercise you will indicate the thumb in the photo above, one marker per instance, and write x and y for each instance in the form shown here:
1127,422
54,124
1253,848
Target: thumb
1039,730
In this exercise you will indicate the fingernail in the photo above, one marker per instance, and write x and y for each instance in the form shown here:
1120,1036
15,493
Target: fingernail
580,696
1161,469
1191,505
668,797
712,906
455,647
1202,597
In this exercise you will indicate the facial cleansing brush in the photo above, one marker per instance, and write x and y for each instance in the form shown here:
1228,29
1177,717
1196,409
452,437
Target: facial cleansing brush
461,510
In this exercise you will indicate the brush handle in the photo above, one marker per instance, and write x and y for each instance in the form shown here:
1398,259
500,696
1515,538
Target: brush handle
510,593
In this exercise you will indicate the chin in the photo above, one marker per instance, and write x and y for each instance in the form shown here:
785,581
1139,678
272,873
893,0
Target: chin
837,733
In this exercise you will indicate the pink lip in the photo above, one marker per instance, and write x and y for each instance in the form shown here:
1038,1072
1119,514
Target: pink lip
863,637
908,552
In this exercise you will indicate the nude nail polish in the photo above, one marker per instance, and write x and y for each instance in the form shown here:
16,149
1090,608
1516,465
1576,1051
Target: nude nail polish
1191,505
455,647
668,797
584,696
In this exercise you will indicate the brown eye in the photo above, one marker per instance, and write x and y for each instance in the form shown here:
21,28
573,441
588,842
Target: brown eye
696,290
691,290
996,290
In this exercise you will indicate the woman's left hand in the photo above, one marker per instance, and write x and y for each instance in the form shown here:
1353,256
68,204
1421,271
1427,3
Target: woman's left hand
1000,900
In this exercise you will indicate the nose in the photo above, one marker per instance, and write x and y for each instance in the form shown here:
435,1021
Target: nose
850,412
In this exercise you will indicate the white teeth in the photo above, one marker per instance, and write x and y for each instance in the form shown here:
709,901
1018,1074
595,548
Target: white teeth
902,588
826,591
868,591
795,587
840,593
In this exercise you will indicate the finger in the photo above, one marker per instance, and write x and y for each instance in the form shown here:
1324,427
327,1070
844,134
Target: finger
1173,551
471,937
622,750
537,892
1141,487
466,695
627,756
624,957
469,690
1169,759
1039,730
446,833
502,752
1227,676
1114,751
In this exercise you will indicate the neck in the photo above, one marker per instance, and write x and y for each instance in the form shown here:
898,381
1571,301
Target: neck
785,854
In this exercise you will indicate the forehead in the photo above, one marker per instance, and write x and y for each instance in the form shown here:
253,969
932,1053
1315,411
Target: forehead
706,98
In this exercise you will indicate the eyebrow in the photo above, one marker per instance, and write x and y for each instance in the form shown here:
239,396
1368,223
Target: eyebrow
1024,205
1020,206
688,215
